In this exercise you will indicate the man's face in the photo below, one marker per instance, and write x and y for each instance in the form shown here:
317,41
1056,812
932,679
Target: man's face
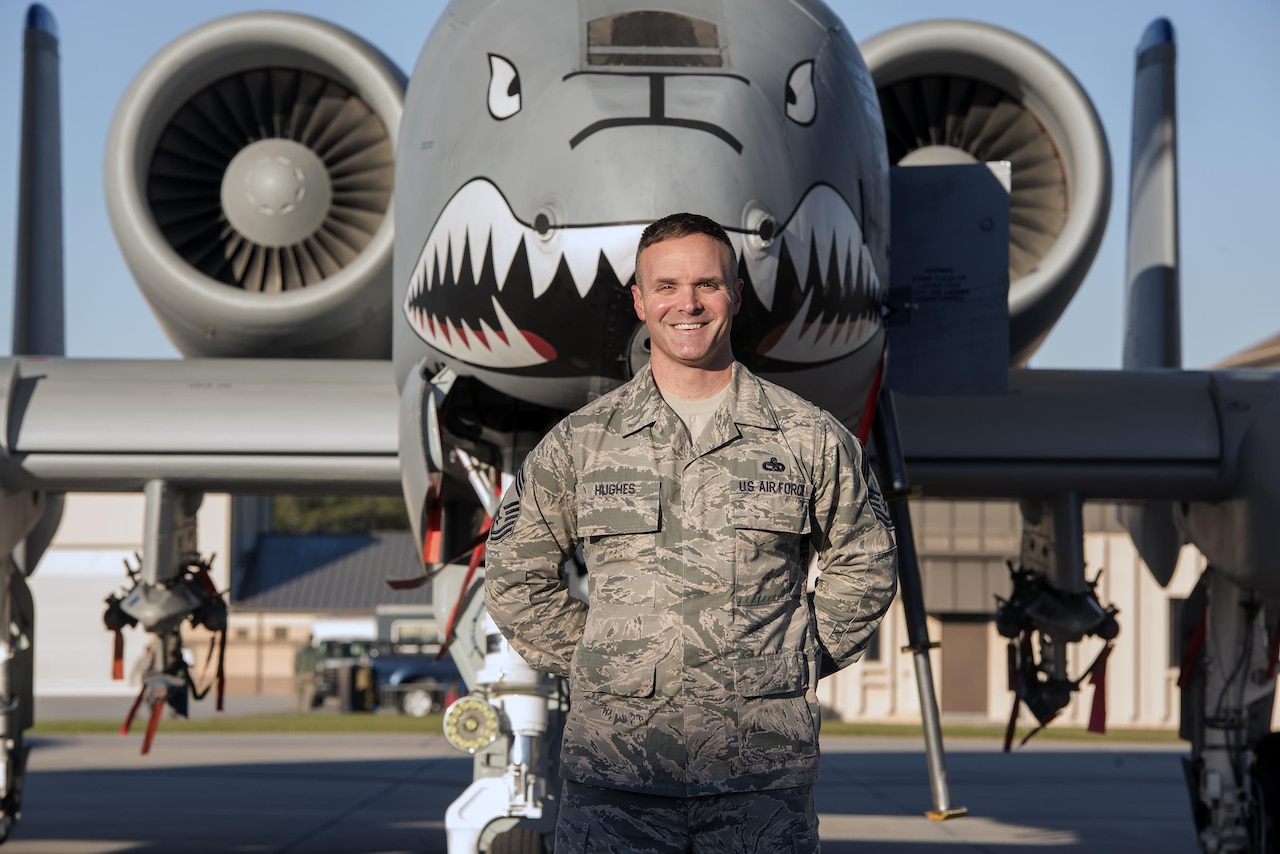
687,295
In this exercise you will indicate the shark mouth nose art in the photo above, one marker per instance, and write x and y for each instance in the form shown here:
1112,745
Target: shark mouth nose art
481,267
545,299
814,294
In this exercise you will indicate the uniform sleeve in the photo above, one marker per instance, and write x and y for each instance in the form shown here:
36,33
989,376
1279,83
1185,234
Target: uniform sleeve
857,558
526,590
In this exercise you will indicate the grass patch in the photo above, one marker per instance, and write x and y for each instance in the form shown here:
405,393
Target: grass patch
336,723
1051,733
430,725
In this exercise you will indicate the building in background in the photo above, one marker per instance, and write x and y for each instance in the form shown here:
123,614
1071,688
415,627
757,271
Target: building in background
964,547
1264,354
295,587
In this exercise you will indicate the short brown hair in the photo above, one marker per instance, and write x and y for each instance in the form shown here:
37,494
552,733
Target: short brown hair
682,225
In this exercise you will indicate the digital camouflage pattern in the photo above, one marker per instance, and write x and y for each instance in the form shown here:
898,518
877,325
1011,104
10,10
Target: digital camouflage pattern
607,821
693,669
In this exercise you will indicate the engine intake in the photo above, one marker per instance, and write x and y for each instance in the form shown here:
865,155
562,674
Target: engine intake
249,177
965,92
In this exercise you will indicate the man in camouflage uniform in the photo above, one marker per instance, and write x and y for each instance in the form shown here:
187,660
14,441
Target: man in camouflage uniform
698,494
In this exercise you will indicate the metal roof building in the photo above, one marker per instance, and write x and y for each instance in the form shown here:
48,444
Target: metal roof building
327,572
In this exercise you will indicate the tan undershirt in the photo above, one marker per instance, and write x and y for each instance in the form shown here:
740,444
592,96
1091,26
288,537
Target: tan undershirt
697,414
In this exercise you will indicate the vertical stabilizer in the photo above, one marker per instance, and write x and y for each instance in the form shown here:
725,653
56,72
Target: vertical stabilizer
38,326
1153,322
38,289
1153,317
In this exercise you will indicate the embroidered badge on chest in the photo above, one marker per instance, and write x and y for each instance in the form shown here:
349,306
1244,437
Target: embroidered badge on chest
772,464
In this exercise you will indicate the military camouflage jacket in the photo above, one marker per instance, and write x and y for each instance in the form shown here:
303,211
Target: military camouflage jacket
693,668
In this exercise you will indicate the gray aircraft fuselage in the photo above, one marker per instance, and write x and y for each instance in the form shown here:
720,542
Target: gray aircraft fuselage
540,137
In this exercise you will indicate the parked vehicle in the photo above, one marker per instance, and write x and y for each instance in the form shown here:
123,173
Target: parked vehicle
405,676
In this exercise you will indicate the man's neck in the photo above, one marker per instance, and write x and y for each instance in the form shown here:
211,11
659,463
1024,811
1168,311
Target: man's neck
685,383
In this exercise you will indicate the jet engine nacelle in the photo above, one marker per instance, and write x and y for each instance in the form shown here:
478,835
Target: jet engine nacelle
248,177
963,92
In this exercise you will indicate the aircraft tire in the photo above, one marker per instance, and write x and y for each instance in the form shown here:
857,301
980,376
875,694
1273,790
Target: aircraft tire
519,840
417,702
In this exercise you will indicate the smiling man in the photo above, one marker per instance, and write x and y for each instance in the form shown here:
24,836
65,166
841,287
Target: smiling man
700,496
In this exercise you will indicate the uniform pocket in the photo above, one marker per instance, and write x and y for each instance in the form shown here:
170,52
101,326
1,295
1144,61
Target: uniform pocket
619,522
770,675
593,673
777,729
771,555
610,508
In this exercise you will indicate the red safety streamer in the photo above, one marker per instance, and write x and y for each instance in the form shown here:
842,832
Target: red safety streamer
222,669
432,536
137,703
1192,652
117,657
1098,678
1017,699
133,711
477,555
206,581
157,709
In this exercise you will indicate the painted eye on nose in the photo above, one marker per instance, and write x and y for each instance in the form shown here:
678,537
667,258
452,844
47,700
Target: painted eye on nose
504,88
802,101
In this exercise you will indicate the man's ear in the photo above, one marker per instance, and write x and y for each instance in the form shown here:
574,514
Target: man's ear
638,303
737,295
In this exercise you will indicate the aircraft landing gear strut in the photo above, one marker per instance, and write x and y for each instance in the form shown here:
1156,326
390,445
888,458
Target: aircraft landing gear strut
20,513
1228,686
17,610
897,488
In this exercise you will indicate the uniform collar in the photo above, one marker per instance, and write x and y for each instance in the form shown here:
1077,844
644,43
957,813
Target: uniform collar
750,405
643,404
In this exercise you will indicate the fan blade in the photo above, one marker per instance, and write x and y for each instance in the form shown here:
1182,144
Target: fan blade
324,110
284,95
366,221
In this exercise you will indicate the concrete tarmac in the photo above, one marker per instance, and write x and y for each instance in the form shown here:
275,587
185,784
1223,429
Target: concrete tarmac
340,794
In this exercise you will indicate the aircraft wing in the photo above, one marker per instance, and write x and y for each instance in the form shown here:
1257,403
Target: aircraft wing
232,425
1117,435
300,425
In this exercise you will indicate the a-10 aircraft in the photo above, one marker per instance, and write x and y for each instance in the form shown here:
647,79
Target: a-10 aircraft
385,285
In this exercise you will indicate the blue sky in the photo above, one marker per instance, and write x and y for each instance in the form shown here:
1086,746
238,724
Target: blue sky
1228,71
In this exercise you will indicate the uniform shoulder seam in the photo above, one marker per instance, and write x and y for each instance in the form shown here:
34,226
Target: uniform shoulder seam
786,397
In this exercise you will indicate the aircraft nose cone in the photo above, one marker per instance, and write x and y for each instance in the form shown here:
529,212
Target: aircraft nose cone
276,192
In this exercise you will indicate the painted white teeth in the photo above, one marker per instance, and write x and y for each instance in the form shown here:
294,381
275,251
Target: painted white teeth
505,243
477,221
478,217
763,269
821,220
506,347
618,243
544,260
